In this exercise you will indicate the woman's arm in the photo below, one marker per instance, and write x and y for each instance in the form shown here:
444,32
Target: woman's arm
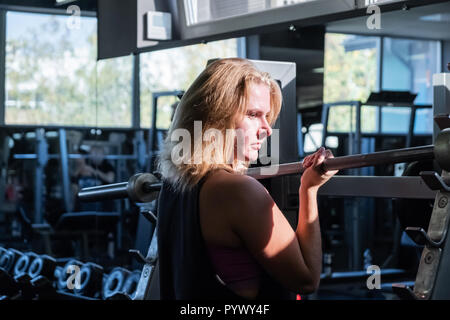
308,228
308,234
294,258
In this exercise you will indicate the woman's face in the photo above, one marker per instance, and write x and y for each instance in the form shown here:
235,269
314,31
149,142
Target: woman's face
254,126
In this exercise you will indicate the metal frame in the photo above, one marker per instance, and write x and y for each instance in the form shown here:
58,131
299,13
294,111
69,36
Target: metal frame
136,93
33,156
2,65
429,284
432,280
313,12
441,213
147,280
140,150
441,96
377,187
64,166
355,136
32,127
39,185
153,130
58,11
380,61
355,143
4,155
286,15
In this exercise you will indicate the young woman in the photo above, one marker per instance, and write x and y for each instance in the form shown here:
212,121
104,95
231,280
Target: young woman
220,234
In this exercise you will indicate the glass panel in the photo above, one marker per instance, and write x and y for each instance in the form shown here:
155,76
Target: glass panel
409,65
369,119
184,63
332,142
395,119
114,91
350,67
423,123
51,74
339,119
166,108
313,139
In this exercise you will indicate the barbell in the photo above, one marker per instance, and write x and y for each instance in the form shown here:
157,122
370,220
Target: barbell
141,187
144,187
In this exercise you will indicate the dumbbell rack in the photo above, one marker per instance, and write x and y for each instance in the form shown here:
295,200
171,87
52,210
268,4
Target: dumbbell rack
29,276
26,276
140,188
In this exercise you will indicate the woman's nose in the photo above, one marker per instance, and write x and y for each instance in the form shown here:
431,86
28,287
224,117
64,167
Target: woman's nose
265,129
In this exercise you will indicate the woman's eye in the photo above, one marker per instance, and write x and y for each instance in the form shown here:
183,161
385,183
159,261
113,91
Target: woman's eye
251,114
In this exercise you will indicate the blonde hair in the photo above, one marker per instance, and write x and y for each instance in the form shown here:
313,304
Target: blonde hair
218,98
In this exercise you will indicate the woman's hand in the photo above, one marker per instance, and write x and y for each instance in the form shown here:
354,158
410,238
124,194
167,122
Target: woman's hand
313,177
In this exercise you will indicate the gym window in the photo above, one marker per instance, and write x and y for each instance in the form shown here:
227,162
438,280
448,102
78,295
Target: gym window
350,67
356,65
185,64
52,77
409,65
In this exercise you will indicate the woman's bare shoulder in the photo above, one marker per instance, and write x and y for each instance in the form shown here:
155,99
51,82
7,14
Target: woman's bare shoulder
234,190
223,181
227,202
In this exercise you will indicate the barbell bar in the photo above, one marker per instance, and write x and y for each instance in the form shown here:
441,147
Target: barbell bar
348,162
144,187
141,187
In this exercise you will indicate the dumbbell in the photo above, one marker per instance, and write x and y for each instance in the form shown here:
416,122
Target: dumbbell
131,283
42,265
91,280
9,258
115,282
17,282
23,263
69,268
129,287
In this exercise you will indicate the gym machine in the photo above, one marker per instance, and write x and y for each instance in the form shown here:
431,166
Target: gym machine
378,100
144,153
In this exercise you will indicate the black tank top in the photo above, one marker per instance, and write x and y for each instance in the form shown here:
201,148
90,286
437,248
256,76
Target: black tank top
186,272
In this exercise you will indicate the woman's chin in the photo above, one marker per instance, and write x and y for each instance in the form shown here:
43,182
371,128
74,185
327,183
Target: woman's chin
252,157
